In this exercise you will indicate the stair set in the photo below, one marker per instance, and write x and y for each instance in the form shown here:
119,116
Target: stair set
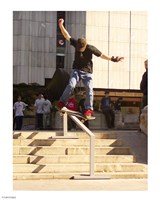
49,155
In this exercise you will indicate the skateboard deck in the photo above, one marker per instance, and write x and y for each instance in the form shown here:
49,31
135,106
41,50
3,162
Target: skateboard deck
74,113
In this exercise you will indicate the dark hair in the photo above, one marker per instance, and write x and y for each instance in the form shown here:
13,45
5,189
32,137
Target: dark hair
81,43
146,61
45,96
106,92
19,96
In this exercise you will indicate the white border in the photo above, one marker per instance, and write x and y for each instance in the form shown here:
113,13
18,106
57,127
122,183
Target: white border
6,89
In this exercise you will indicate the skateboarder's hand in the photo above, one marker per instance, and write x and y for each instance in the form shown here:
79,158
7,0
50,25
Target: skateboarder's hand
61,21
120,59
117,59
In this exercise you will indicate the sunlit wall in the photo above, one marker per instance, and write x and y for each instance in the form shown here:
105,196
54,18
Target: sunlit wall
114,33
118,34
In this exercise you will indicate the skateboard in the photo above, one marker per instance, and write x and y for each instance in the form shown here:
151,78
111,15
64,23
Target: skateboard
74,113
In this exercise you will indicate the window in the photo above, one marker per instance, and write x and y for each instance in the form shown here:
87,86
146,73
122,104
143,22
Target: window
60,61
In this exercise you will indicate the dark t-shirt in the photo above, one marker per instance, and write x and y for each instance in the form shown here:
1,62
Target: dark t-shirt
117,105
105,103
144,83
83,60
81,104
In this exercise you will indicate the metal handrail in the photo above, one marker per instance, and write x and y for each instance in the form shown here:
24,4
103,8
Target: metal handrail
92,141
84,128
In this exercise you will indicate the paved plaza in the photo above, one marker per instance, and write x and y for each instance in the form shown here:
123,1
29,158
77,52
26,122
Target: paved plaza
81,185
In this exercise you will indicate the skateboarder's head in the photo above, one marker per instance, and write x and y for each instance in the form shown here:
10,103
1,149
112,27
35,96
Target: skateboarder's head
146,64
81,44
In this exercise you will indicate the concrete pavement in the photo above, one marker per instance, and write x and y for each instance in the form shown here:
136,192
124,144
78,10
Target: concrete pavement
81,185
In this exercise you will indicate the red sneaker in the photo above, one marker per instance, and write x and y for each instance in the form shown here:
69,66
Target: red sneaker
60,104
88,114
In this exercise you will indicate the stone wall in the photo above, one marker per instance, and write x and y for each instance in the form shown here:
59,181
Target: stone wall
144,120
121,122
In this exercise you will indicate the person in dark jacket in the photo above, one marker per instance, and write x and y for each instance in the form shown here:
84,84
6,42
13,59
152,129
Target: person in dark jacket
118,103
144,85
106,108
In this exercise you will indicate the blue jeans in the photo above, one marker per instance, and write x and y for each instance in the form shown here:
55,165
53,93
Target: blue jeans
19,122
75,77
39,121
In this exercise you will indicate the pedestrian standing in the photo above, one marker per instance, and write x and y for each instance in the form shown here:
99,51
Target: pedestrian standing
39,111
107,109
19,107
47,108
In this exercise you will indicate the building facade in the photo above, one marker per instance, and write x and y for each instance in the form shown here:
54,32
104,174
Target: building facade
39,48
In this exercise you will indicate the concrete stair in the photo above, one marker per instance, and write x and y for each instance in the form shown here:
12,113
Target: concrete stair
47,155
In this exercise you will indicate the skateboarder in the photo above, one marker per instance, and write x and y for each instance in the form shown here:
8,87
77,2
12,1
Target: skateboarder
82,69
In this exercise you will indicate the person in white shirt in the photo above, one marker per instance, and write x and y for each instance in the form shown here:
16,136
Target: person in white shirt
47,106
19,107
39,112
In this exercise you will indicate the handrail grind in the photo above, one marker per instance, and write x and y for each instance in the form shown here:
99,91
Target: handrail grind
92,141
92,146
84,128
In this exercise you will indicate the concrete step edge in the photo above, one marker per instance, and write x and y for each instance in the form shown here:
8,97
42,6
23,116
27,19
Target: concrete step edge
69,147
117,175
56,142
43,150
49,159
101,164
46,134
61,168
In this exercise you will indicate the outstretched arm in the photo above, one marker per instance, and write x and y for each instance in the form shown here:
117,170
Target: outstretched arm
63,30
114,59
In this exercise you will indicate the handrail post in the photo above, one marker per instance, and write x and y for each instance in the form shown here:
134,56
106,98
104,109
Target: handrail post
92,141
92,152
92,147
65,124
